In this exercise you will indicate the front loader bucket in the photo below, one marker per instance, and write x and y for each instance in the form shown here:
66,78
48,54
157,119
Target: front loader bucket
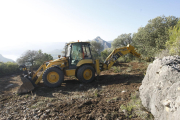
27,85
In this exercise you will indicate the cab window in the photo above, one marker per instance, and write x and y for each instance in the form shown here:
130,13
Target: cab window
86,51
76,53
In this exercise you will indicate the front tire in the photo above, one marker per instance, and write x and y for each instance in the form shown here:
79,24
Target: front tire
53,77
86,74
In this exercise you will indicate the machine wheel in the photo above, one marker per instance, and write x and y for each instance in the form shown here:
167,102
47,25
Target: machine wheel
86,74
53,77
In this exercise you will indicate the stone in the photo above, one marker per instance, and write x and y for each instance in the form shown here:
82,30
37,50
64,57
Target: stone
49,105
160,89
48,110
8,111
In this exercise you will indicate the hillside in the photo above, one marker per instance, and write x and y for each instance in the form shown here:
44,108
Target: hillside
3,59
103,42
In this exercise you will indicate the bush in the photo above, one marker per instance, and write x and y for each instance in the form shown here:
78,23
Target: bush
105,53
8,68
125,59
117,69
173,44
163,53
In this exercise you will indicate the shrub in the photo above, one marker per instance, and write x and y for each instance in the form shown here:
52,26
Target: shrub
8,68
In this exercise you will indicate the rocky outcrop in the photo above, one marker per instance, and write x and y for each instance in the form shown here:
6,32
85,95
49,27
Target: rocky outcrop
160,89
103,42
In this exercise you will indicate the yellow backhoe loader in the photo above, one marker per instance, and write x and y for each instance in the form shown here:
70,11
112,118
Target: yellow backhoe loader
76,62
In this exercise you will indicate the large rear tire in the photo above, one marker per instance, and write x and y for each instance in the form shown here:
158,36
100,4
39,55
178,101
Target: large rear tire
86,74
53,77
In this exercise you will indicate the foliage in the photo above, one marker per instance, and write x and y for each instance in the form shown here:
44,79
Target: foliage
152,38
122,40
105,53
126,58
96,49
173,44
116,69
45,57
30,57
34,58
8,68
163,53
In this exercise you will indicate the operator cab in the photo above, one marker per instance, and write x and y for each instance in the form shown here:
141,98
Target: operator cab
77,51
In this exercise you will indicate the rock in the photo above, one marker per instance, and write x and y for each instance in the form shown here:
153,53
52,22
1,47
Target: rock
48,111
160,89
43,116
120,110
8,111
36,117
39,114
49,105
123,91
125,112
23,103
56,117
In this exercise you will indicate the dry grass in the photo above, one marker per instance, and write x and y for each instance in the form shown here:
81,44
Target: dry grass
135,108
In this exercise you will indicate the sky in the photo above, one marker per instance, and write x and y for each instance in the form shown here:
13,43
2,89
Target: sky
28,23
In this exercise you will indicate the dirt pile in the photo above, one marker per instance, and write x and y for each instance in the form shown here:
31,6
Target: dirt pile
160,89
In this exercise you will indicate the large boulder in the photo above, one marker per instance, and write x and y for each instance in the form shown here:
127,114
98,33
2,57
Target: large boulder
160,89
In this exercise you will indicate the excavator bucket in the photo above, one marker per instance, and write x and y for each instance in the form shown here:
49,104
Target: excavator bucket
27,85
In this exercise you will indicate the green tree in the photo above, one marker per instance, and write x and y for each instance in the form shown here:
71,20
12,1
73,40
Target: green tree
105,53
122,40
32,57
96,49
152,38
44,58
173,44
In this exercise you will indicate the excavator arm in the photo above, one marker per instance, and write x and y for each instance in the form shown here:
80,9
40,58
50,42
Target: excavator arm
115,54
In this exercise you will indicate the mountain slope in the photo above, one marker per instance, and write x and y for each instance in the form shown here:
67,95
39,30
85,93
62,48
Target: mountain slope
3,59
103,42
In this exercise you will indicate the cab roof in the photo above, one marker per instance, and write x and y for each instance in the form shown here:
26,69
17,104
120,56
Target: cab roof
77,42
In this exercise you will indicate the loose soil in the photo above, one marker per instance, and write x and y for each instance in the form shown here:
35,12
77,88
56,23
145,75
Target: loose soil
100,99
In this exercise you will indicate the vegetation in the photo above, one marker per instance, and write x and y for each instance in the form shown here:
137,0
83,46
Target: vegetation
173,44
34,58
152,38
117,69
8,68
105,53
122,40
135,108
161,36
96,49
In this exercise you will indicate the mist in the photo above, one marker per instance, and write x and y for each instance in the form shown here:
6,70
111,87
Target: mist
15,51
